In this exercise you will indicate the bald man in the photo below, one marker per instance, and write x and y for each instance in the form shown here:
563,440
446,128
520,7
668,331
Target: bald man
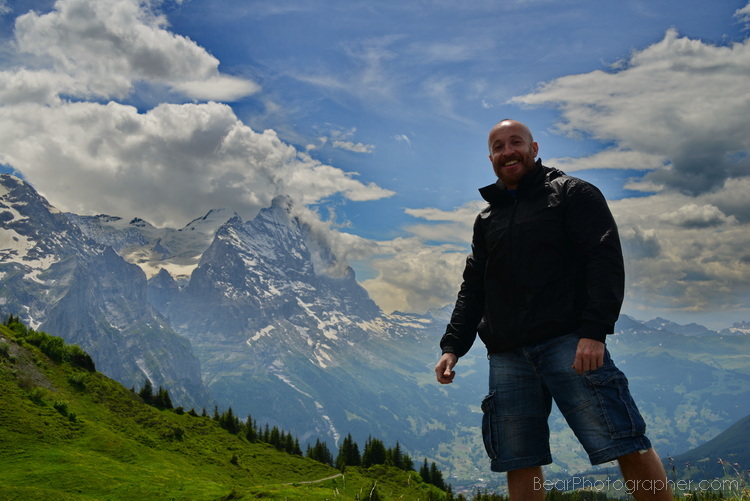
543,287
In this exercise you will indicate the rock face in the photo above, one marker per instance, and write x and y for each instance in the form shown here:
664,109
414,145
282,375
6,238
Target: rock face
277,339
60,281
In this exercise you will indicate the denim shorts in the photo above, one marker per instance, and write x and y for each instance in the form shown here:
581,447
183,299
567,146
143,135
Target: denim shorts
597,406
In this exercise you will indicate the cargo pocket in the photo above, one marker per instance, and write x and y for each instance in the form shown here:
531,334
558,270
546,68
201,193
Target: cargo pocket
489,425
616,404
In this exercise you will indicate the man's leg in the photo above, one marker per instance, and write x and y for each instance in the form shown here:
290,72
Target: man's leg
644,474
526,484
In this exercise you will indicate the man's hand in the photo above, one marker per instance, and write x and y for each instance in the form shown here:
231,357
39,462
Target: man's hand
444,368
589,355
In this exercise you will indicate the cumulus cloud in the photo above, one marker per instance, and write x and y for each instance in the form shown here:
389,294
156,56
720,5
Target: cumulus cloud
168,164
610,159
695,216
423,271
175,162
682,253
679,105
406,278
105,47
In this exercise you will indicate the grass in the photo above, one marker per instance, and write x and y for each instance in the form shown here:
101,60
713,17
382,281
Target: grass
72,434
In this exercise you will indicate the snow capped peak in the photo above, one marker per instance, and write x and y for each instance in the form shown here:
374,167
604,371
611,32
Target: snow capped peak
211,221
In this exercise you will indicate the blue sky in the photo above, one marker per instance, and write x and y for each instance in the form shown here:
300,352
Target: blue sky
373,117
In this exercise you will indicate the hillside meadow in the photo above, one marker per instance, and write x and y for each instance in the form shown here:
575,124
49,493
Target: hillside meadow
70,433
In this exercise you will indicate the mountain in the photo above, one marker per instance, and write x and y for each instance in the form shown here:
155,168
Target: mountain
59,280
726,454
69,432
273,333
154,249
662,324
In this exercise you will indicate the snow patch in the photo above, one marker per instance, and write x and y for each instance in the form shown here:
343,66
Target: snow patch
265,331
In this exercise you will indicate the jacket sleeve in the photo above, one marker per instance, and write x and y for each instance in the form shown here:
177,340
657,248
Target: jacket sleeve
469,309
594,234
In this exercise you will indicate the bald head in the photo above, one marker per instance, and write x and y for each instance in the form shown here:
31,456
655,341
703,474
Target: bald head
514,124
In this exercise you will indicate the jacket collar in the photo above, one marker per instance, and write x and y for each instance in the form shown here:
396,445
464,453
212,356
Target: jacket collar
498,192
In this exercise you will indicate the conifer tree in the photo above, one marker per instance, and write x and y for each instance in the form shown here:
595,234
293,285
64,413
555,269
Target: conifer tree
395,457
147,392
374,452
251,432
424,471
408,463
436,477
267,434
320,452
161,400
348,454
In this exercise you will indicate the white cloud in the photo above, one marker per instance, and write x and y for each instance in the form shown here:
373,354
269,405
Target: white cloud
610,159
106,46
743,15
465,214
407,278
683,254
355,147
340,138
416,273
681,100
698,216
168,165
402,138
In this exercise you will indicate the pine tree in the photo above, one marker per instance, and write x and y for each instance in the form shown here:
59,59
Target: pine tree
424,471
395,457
161,400
408,463
251,431
147,392
320,452
374,452
275,437
267,434
348,454
230,422
436,477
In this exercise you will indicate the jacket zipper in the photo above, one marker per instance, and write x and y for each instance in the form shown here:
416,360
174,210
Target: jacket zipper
511,227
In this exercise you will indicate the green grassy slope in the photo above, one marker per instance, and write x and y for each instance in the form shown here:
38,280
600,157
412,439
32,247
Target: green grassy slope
70,434
726,454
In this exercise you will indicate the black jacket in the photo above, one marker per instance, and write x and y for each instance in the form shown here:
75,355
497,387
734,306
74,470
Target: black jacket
544,263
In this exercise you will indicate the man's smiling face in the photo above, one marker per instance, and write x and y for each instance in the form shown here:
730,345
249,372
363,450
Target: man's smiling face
512,152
